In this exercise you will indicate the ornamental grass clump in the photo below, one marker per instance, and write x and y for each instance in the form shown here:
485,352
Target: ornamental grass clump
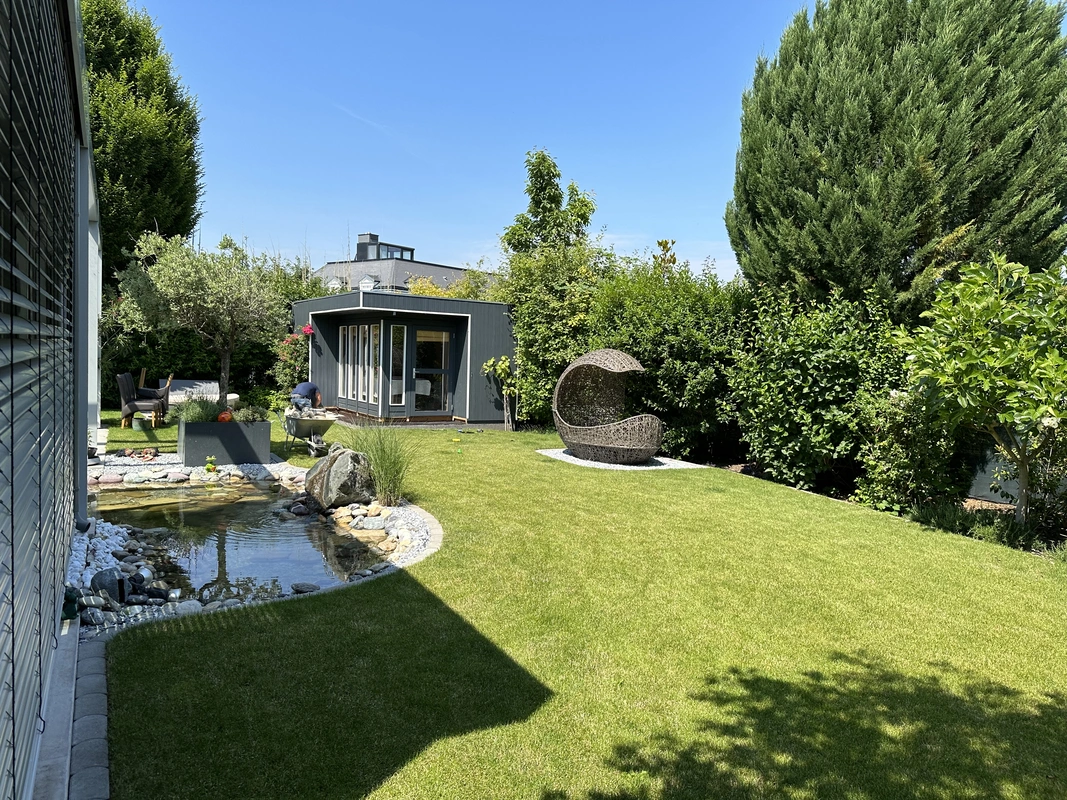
196,409
390,455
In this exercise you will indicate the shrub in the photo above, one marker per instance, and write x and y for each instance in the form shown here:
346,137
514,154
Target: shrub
291,366
795,385
267,398
196,409
684,329
251,414
390,455
551,291
907,454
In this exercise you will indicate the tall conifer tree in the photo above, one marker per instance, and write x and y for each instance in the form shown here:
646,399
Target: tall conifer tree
889,140
145,128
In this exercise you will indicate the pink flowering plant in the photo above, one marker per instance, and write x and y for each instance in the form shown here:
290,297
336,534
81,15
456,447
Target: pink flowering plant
291,367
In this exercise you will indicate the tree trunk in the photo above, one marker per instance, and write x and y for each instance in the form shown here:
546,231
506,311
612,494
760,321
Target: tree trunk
224,376
1022,505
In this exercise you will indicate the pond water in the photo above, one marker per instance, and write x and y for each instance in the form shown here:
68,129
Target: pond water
222,542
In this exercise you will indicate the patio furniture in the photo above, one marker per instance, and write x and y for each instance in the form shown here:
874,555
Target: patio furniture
131,403
162,393
588,406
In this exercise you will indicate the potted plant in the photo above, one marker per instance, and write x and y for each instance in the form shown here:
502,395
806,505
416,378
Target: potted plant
241,437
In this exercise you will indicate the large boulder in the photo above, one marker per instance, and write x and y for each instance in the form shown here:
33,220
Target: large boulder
113,582
340,477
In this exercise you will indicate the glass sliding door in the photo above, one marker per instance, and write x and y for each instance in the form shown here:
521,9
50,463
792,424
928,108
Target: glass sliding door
342,362
364,361
433,356
398,341
375,361
352,366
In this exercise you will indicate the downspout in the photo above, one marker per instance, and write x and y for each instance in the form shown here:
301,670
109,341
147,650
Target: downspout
81,346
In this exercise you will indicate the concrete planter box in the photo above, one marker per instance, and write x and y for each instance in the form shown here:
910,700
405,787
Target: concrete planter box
229,442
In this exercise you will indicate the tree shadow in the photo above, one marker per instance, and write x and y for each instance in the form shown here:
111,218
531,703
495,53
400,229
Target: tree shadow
860,731
327,696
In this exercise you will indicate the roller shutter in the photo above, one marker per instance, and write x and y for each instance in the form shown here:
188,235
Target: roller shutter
38,147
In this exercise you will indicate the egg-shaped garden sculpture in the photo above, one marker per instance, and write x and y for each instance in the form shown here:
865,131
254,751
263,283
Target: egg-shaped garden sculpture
588,406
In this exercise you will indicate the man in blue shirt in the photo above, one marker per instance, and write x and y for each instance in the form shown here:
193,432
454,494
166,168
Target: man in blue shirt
306,395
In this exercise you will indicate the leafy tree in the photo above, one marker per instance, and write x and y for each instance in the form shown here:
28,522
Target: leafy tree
548,221
890,140
683,328
551,291
995,356
226,297
145,127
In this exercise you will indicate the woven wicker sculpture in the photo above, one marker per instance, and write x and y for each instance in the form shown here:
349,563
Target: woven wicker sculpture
588,405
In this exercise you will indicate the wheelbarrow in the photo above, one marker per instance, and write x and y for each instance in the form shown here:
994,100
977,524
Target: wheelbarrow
306,429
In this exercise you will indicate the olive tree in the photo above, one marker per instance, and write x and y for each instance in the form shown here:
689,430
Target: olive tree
227,297
994,357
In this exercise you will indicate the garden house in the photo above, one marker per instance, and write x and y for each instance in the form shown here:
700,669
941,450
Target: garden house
388,355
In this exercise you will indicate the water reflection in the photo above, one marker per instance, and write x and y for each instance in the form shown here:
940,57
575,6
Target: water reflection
219,543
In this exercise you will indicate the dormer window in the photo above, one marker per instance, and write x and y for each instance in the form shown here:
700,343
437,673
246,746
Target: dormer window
367,283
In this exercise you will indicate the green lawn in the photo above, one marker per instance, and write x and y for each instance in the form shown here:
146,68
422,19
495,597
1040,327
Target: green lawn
625,635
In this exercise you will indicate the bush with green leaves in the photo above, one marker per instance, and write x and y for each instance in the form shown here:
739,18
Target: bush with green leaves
268,398
684,329
995,357
795,383
908,455
390,454
291,366
551,291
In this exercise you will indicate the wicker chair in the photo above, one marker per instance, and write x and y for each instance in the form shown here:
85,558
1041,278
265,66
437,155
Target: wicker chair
588,405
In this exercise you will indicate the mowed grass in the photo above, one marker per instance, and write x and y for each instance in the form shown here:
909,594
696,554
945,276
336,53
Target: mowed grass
596,634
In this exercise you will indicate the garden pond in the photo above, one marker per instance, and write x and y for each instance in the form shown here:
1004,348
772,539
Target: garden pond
228,542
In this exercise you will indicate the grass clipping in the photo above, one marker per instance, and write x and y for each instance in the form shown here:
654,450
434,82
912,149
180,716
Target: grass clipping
390,455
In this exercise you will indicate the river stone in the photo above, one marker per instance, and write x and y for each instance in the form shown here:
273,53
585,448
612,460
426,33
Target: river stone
374,523
112,581
187,607
305,588
170,609
91,602
92,616
155,601
177,477
173,595
340,477
134,477
90,481
110,617
379,567
110,477
233,602
299,509
287,515
214,605
364,573
158,585
133,611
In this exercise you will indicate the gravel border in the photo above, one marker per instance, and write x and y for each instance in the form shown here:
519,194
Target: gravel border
657,462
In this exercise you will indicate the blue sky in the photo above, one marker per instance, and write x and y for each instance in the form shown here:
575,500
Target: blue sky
412,119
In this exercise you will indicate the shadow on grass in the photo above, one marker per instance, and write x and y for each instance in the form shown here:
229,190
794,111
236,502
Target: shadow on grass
322,697
862,730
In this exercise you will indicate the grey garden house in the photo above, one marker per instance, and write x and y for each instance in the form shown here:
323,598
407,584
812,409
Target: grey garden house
398,356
